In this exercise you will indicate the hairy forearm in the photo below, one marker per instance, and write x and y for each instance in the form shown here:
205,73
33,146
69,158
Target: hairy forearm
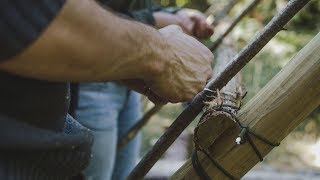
87,43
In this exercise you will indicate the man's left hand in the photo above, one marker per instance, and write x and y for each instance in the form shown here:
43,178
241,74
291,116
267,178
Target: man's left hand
191,21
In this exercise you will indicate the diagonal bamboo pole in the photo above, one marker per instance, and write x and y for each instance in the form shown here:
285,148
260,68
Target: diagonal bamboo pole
190,113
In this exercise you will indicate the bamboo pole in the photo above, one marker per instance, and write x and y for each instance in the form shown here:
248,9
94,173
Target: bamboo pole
273,113
190,113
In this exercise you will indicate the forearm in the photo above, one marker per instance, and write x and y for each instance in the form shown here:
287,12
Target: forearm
87,43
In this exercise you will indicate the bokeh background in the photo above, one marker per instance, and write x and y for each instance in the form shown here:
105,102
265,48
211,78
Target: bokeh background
298,157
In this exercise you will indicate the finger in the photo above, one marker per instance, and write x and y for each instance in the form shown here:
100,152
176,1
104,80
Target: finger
208,30
202,29
205,30
195,27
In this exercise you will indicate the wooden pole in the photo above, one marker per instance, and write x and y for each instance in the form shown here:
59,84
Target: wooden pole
273,113
191,112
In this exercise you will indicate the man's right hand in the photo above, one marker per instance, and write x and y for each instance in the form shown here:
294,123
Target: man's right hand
186,69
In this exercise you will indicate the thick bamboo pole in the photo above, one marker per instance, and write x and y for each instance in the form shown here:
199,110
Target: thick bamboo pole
273,113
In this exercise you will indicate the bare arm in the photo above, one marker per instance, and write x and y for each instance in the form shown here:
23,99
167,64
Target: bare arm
87,43
84,43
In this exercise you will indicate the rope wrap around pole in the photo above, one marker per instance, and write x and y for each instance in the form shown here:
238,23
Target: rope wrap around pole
190,113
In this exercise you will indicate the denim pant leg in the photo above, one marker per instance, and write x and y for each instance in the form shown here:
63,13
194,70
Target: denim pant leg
126,158
98,109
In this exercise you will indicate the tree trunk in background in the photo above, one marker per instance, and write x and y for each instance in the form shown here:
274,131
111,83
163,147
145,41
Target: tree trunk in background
273,113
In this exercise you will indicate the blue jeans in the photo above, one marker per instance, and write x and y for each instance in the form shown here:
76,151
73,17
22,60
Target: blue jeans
109,110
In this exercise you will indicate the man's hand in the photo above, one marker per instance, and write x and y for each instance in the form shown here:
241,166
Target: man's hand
187,69
191,21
